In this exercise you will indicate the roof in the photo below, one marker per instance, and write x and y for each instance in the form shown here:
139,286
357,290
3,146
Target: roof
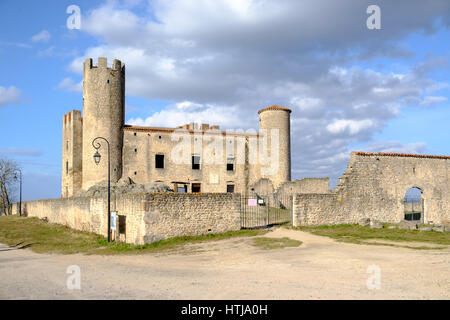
275,107
384,154
128,127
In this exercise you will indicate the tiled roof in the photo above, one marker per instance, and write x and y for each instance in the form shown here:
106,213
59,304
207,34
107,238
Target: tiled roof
381,154
275,107
128,127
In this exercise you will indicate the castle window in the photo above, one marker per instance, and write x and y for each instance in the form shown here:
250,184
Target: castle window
230,188
135,134
195,162
230,163
196,187
67,145
135,149
107,81
159,161
135,173
159,137
67,167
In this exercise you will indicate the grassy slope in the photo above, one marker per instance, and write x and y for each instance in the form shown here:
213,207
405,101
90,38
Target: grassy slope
357,234
43,237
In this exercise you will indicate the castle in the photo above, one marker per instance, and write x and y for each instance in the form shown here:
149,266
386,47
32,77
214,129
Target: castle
213,160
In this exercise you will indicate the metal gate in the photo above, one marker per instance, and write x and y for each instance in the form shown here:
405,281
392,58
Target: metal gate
263,211
413,209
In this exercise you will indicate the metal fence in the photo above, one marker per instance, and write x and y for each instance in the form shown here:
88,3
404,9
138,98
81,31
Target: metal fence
263,211
413,208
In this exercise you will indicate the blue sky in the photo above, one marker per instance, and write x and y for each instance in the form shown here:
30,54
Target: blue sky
218,62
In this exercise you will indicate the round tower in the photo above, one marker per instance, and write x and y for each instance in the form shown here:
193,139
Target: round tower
103,116
276,117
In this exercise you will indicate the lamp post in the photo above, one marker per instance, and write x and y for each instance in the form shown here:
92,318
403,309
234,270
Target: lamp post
20,199
97,157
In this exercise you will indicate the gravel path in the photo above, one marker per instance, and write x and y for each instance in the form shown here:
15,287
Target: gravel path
320,268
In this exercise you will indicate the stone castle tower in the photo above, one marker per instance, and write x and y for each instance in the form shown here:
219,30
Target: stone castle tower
103,115
143,154
276,117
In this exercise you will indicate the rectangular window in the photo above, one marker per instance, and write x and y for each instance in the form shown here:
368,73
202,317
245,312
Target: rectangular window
230,188
230,164
182,188
122,224
159,161
67,145
196,187
195,162
67,167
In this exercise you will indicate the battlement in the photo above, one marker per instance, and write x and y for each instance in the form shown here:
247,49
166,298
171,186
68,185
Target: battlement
74,114
196,126
103,63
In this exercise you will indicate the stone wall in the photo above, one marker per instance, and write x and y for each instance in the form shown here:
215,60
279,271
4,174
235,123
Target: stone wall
305,185
149,217
374,186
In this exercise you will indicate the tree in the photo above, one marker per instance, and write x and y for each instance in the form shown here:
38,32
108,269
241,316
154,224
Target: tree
8,180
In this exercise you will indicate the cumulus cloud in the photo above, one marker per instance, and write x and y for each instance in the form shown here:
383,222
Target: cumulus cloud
69,85
219,62
432,100
21,152
10,95
396,147
43,36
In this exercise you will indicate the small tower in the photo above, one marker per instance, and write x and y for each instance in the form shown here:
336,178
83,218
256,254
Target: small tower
103,115
276,117
72,150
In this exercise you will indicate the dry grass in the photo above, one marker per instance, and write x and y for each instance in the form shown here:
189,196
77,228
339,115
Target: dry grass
43,237
275,243
358,234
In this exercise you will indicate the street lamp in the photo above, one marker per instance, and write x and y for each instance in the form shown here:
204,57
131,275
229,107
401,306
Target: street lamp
97,158
20,199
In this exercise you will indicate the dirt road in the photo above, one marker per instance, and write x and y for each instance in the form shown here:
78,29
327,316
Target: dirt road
233,269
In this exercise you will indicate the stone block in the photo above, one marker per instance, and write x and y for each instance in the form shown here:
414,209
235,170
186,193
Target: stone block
364,222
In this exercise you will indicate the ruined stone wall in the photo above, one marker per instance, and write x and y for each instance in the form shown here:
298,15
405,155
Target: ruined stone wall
374,186
305,185
149,217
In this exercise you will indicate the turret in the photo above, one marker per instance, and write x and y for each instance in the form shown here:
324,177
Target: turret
72,151
103,115
276,117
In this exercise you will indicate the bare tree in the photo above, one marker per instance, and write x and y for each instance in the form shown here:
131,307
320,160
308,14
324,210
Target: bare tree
8,179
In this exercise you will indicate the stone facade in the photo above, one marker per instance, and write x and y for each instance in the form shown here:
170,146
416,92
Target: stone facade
72,150
135,150
374,186
149,217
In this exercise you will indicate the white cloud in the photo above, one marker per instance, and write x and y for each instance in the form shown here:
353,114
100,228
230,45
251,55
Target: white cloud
432,100
43,36
352,126
69,85
396,147
21,152
10,95
219,62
